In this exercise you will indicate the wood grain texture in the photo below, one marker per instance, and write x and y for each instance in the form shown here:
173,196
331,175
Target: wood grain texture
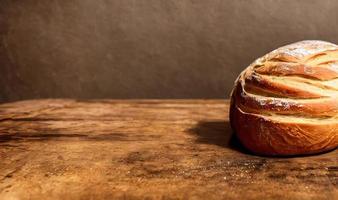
147,149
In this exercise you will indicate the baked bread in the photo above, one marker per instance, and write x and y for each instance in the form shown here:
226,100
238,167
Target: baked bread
286,102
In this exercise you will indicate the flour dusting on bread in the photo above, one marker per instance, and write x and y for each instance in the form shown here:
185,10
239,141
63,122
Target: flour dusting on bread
295,90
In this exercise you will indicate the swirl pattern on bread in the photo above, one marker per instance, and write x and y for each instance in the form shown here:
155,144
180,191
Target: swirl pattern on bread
286,102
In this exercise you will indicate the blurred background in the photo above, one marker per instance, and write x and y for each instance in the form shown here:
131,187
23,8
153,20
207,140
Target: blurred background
146,48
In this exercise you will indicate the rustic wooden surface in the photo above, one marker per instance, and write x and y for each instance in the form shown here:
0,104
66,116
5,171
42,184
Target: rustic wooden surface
148,149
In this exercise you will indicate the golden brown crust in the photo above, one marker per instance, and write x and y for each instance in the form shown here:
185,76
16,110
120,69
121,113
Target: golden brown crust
280,89
289,69
271,137
286,103
311,108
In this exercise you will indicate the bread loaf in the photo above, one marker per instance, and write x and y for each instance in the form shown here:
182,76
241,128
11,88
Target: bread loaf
286,102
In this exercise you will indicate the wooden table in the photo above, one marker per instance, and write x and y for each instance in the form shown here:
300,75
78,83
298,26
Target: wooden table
144,149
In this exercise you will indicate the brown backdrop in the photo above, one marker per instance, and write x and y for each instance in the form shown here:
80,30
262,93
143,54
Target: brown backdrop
146,48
